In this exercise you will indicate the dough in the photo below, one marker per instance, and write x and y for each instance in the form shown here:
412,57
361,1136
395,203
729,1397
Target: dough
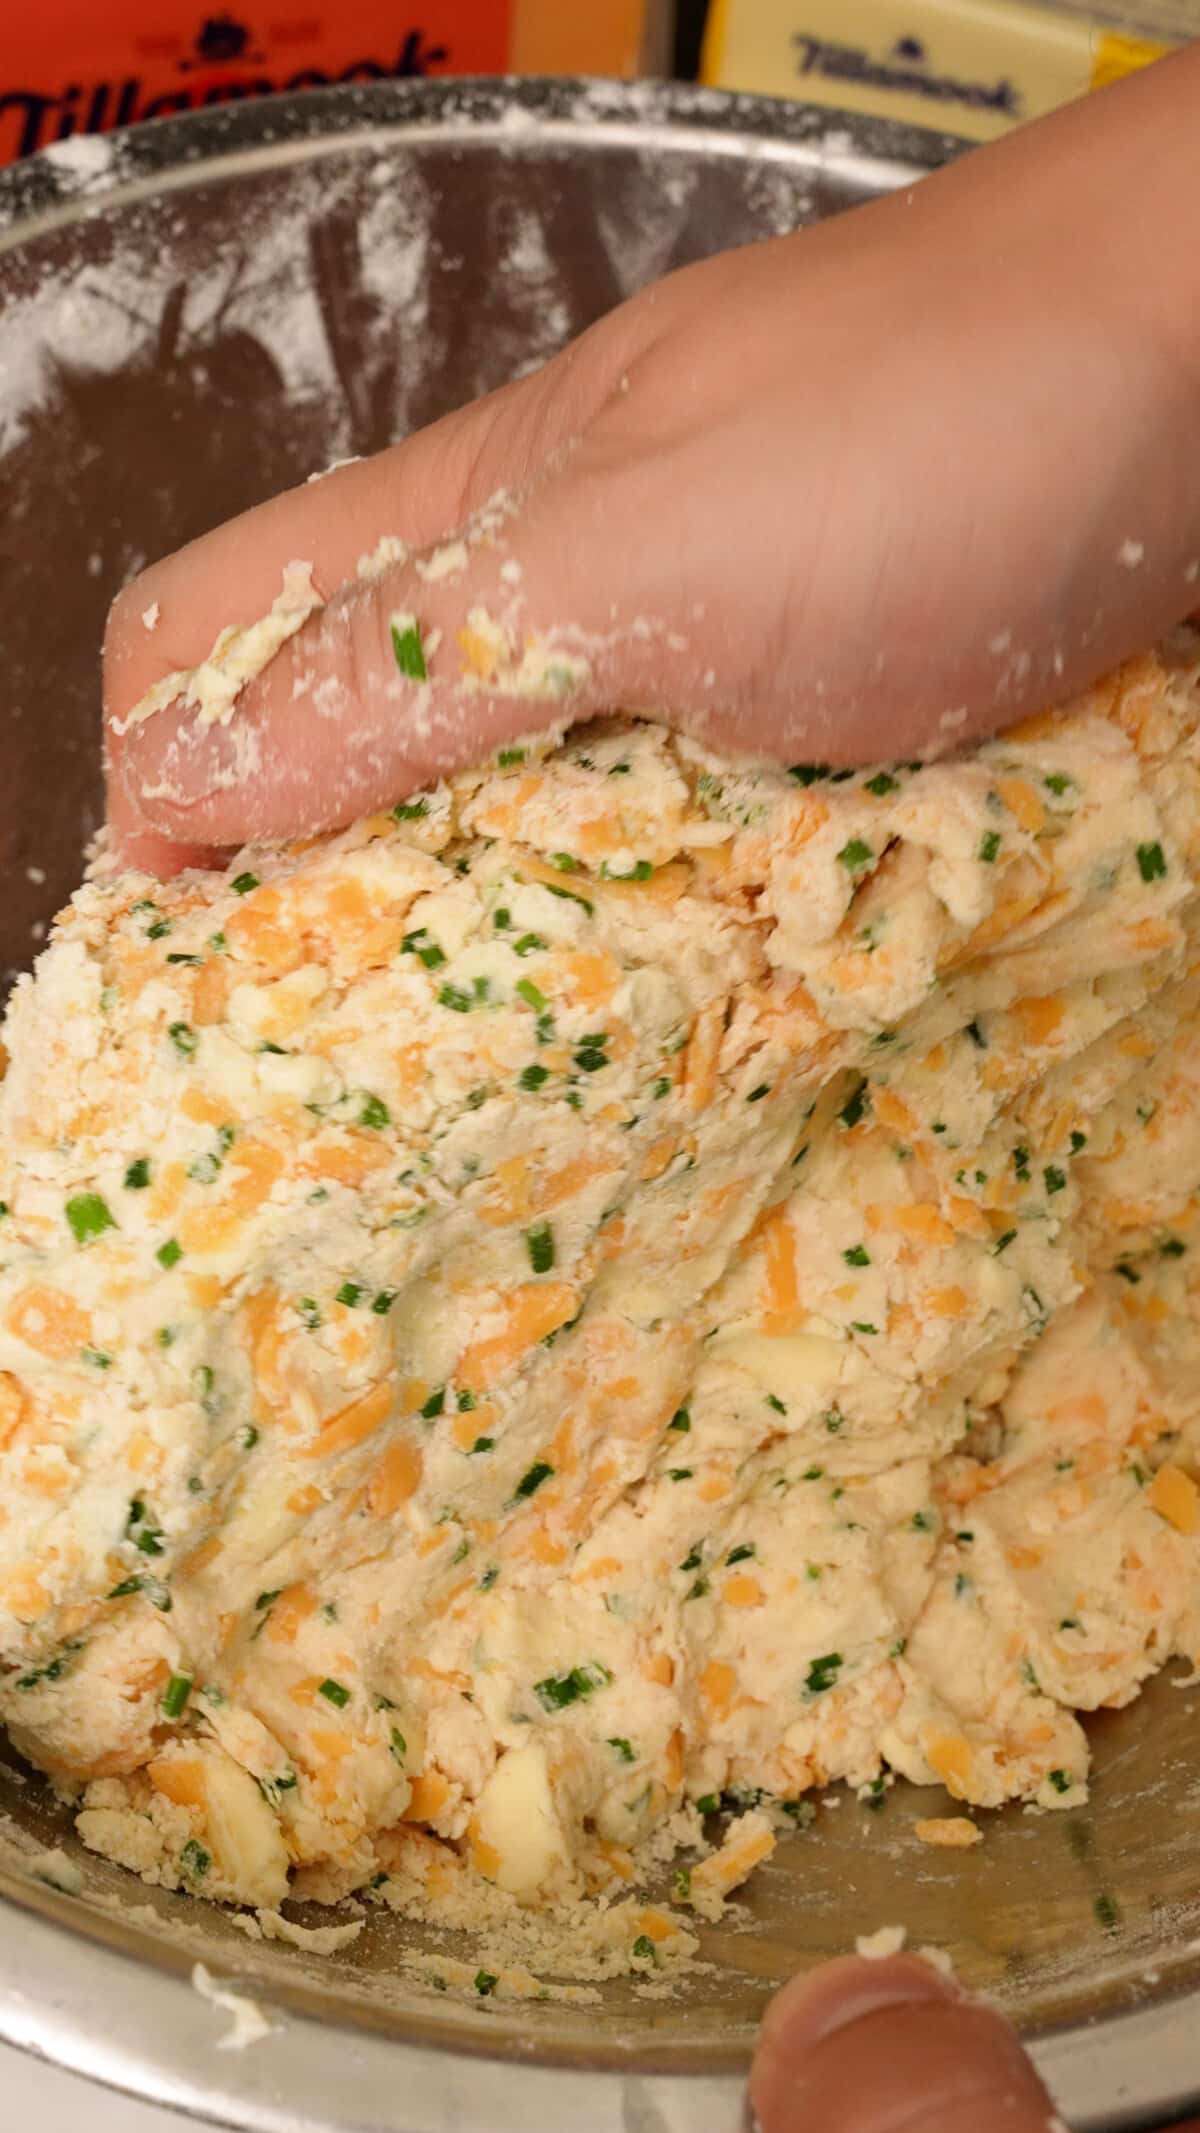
631,1280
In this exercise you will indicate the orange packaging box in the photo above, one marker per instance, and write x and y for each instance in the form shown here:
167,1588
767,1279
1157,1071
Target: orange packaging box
86,66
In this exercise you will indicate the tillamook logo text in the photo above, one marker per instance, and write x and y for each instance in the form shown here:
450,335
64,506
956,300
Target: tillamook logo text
904,71
222,59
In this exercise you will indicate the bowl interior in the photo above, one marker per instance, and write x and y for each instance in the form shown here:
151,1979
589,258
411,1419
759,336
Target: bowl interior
218,308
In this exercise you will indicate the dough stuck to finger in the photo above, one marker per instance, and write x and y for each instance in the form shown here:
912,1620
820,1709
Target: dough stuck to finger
629,1283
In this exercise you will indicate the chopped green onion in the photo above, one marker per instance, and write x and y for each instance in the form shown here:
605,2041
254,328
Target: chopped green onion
539,1243
374,1113
243,883
855,855
175,1695
823,1673
184,1038
1152,865
169,1254
989,846
408,649
88,1216
532,1480
857,1255
138,1174
334,1693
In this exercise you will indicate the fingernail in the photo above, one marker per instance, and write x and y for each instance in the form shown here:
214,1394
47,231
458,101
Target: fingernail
811,2007
860,2047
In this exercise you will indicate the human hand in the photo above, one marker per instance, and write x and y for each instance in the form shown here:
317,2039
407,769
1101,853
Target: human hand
893,2047
886,484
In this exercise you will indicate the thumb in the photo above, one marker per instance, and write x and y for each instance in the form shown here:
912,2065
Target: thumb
891,2047
410,668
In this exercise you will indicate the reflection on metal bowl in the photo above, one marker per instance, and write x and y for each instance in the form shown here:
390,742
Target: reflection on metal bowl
191,318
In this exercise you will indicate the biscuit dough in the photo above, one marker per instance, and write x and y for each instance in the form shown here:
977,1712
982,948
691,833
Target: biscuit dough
631,1280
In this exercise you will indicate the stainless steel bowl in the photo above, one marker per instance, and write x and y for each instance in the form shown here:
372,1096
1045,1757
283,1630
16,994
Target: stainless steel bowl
214,308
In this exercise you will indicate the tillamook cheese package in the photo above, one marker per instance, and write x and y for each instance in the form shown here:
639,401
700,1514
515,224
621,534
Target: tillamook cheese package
85,66
971,67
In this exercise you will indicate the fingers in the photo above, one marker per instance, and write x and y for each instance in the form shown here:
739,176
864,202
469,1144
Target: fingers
890,2047
168,619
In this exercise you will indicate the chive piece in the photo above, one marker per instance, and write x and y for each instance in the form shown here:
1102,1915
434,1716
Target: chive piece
1152,865
580,1682
529,944
691,1560
681,1420
532,1077
1053,1178
486,1982
862,1325
159,930
194,1860
531,994
466,1402
531,1481
858,1255
374,1113
1172,1248
453,997
334,1693
565,862
484,1444
643,1947
138,1174
184,1038
408,649
435,1404
756,1095
709,1803
679,1473
397,1744
1020,1158
570,896
808,773
855,855
169,1254
1060,1780
774,1401
1127,1273
382,1303
641,870
175,1696
881,784
508,758
589,1059
740,1554
989,846
1057,782
539,1243
855,1106
489,1577
410,810
88,1216
1108,1912
681,1884
349,1294
247,1436
976,1036
97,1357
622,1749
1002,1242
822,1674
243,883
1078,1142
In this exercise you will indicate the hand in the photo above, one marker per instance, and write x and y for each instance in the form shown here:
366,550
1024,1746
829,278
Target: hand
892,2047
878,487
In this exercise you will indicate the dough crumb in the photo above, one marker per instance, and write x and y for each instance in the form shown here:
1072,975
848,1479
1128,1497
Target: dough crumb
950,1833
150,616
1131,553
250,2024
885,1941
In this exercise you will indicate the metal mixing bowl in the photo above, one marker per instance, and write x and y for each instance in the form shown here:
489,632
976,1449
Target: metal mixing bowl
211,310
